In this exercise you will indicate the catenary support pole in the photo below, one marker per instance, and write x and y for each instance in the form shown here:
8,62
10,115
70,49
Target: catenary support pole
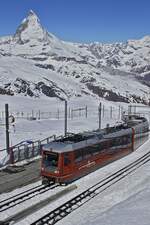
65,118
99,113
7,127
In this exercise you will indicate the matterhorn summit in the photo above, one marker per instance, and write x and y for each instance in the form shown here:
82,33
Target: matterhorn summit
30,29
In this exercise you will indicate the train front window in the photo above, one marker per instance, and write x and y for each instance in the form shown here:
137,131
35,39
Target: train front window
50,161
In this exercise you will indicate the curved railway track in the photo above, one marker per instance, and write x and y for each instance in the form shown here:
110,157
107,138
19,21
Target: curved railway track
24,196
63,210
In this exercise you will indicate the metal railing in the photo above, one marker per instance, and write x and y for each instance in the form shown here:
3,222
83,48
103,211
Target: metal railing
21,151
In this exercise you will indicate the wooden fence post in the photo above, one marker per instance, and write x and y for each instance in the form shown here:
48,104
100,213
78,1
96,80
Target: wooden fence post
71,113
18,154
103,111
111,112
86,111
58,114
11,156
32,146
99,113
130,109
39,116
119,112
32,113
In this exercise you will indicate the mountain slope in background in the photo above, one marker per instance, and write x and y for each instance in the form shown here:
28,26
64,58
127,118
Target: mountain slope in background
35,63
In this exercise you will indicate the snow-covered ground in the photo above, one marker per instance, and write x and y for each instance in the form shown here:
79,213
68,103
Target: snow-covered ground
42,128
125,202
104,208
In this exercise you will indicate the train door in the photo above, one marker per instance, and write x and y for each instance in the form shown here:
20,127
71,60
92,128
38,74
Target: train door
67,164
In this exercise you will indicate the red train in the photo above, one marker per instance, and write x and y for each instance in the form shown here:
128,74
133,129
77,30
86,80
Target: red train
69,158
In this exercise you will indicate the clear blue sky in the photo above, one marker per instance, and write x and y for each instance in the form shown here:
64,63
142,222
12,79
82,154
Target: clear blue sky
81,20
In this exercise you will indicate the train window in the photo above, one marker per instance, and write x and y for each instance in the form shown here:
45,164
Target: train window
99,147
78,155
50,161
129,138
87,152
113,142
67,161
123,140
119,141
104,145
95,149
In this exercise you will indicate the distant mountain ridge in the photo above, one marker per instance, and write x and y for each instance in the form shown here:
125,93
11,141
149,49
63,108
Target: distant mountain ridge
35,63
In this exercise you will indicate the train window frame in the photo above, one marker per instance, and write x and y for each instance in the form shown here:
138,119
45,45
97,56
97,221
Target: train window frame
80,158
87,152
129,138
49,163
67,161
96,150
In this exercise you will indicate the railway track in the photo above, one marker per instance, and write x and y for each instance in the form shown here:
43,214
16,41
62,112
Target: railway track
68,207
24,196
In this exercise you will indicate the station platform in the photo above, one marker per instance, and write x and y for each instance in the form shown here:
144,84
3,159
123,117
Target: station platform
15,176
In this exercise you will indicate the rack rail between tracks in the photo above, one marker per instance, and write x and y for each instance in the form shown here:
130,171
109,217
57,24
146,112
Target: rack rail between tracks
65,209
24,196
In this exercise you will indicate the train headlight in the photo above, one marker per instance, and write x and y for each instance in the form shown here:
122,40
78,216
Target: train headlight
56,171
42,169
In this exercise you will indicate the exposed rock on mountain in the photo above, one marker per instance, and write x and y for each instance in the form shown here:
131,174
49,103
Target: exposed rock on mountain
38,64
30,30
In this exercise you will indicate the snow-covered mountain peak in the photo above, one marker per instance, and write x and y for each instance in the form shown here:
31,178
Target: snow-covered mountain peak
140,43
33,19
30,29
146,41
32,13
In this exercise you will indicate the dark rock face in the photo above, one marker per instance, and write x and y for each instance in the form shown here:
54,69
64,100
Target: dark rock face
31,89
39,58
88,79
145,79
113,62
48,91
112,96
4,91
51,89
69,59
107,94
141,69
23,86
45,66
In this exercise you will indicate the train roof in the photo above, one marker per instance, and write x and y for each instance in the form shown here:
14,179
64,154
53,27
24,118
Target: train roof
72,142
78,141
81,140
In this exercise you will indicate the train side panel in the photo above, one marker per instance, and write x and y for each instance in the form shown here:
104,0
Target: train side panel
141,133
93,157
67,166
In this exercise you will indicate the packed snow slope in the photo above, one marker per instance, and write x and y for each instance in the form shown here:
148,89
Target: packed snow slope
35,63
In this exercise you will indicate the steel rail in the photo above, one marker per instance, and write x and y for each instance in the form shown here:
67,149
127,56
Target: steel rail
24,196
